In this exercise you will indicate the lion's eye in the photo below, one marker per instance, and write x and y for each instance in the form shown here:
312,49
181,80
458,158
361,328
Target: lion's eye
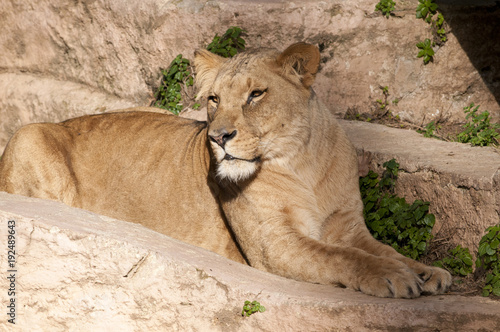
213,99
255,94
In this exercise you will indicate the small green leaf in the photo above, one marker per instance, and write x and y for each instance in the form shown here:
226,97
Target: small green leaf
489,251
468,261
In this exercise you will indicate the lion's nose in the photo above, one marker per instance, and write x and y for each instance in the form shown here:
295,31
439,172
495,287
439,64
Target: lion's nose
223,137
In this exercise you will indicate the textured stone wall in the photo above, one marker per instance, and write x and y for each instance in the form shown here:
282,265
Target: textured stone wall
461,182
62,58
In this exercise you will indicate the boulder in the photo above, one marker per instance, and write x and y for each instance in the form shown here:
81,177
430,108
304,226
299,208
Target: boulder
79,271
117,48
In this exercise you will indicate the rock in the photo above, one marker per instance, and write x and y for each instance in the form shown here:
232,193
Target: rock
28,98
460,181
80,271
118,48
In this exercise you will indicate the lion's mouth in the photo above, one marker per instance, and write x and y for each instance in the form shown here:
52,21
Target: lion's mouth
229,157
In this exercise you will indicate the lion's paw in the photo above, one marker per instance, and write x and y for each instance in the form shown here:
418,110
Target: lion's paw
385,277
436,280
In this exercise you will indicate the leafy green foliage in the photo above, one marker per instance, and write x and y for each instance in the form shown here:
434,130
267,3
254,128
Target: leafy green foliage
492,282
430,129
229,44
383,103
459,262
426,50
386,7
479,130
426,9
178,78
169,94
489,260
390,219
250,308
438,24
383,106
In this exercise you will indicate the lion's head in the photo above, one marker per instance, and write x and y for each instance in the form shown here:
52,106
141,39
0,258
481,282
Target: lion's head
257,106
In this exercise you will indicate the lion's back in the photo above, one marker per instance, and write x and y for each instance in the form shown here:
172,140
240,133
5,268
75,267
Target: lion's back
145,167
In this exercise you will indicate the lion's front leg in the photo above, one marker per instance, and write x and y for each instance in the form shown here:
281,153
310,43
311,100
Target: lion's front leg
288,253
271,243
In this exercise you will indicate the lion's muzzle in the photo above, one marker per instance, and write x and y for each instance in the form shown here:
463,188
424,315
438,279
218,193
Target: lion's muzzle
232,162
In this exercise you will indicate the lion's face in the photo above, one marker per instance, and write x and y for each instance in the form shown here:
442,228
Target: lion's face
257,106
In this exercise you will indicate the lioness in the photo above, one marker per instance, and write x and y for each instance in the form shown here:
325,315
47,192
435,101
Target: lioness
271,179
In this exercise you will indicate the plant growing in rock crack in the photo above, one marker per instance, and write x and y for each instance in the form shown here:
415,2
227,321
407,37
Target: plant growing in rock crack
426,11
386,7
177,80
478,130
488,260
390,219
383,104
459,262
169,93
440,31
429,130
229,44
250,308
425,50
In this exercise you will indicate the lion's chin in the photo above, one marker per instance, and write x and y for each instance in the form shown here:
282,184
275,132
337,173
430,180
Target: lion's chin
236,170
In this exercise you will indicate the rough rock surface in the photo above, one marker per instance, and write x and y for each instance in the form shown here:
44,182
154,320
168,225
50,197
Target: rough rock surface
42,96
78,271
461,182
52,49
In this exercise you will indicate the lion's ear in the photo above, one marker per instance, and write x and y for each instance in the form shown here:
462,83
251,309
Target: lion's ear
301,59
206,65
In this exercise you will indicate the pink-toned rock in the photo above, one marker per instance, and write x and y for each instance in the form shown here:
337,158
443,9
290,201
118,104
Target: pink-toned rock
460,181
79,271
117,48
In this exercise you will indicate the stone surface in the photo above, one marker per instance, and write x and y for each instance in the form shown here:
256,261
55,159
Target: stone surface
461,182
48,100
116,49
78,271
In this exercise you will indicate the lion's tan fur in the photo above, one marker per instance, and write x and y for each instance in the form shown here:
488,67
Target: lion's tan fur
271,173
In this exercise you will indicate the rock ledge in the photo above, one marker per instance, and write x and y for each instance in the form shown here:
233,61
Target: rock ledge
80,271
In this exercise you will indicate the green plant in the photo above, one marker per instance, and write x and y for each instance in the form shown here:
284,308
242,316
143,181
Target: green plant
430,130
169,93
426,9
479,130
488,260
250,308
438,24
386,7
492,282
426,50
229,44
385,92
459,262
406,227
382,104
